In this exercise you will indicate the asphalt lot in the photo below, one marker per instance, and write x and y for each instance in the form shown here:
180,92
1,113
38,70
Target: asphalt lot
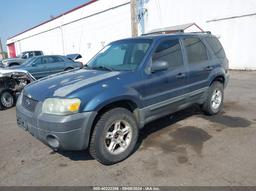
186,148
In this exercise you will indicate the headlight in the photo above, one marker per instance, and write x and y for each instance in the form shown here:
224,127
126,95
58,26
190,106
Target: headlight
19,101
58,106
4,63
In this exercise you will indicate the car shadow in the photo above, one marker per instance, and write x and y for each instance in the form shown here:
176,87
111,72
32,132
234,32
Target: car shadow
224,120
150,128
76,155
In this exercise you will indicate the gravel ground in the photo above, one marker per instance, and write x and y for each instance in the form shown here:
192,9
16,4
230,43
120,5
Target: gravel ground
186,148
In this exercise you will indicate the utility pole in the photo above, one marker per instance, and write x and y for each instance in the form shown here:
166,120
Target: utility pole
1,47
1,50
134,23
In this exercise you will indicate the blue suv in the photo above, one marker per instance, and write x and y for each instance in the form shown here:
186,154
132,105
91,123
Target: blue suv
129,83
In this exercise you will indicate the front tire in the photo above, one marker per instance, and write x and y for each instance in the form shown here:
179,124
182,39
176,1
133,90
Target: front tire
7,99
114,136
214,100
13,64
67,69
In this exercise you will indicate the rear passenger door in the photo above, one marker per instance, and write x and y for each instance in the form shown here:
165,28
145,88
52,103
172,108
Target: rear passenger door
163,91
55,64
199,65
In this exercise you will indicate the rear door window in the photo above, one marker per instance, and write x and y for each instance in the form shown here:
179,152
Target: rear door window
196,50
52,59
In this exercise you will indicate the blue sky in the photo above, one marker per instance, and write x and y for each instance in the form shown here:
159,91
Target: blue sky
19,15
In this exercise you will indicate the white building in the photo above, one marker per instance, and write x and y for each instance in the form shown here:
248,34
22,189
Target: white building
87,28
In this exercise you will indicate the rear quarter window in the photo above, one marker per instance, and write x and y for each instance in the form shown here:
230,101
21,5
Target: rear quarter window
58,59
216,47
38,53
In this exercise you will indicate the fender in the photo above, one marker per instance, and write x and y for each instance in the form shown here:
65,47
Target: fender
216,72
111,96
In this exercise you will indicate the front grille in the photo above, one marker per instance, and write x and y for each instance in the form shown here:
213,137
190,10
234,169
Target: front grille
28,103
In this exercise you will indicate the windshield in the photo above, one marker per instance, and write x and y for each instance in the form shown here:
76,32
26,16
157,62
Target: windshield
121,56
29,61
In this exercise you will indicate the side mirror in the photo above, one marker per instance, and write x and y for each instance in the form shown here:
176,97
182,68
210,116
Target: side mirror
159,65
33,64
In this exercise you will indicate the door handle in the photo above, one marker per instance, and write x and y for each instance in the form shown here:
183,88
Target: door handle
180,75
208,68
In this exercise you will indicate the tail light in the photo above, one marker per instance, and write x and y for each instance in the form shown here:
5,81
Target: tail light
81,65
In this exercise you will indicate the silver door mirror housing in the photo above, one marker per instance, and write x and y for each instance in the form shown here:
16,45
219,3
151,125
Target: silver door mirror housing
159,65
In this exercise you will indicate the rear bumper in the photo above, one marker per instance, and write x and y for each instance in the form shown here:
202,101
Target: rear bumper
227,76
70,132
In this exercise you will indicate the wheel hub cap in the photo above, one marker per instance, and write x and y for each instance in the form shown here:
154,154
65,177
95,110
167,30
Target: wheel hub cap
7,99
216,99
118,137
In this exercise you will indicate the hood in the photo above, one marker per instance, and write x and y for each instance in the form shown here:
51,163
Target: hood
17,67
11,72
7,61
6,72
11,59
66,83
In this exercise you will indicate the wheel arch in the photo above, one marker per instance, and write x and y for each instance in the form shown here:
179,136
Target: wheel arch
13,64
68,68
128,104
123,103
219,78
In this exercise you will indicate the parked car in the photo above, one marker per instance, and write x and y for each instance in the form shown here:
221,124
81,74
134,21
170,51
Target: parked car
9,62
41,66
11,84
129,83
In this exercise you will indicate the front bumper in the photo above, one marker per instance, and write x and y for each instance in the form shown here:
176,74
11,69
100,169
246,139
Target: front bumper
70,132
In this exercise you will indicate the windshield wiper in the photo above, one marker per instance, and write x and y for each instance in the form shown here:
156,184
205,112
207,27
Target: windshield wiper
103,68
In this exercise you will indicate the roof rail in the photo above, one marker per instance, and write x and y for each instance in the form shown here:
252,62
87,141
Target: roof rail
207,32
175,29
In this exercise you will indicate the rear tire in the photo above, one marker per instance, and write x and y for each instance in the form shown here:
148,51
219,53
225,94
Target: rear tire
214,100
114,136
7,99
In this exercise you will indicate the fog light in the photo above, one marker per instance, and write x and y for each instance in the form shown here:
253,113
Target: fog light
53,141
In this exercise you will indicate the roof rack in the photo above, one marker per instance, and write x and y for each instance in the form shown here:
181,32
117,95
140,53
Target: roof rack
176,29
207,32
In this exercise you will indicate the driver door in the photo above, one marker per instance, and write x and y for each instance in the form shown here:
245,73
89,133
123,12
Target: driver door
164,90
38,68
